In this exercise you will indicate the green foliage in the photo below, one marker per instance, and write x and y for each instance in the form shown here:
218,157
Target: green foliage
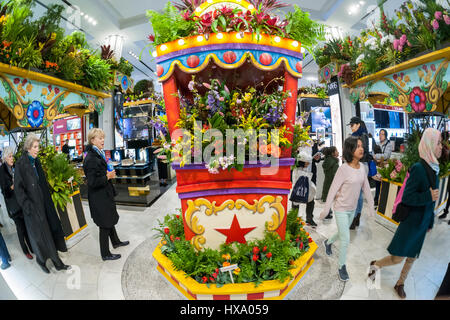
125,67
301,28
260,260
97,74
58,171
24,54
143,86
169,25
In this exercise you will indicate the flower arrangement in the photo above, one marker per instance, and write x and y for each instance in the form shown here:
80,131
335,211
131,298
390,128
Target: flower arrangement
268,259
215,107
177,21
41,45
417,26
393,170
313,89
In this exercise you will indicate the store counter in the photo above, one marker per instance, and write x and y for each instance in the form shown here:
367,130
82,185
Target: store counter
135,185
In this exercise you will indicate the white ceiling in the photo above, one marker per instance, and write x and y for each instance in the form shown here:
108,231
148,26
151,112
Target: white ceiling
128,18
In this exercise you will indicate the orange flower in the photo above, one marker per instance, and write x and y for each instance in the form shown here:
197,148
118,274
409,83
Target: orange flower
226,264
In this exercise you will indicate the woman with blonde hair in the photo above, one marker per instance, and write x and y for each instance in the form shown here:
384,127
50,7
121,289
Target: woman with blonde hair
420,193
33,195
101,193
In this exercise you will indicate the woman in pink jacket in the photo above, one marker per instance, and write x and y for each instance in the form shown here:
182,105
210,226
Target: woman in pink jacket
350,178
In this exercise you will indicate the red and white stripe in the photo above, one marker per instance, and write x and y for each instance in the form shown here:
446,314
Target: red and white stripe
243,296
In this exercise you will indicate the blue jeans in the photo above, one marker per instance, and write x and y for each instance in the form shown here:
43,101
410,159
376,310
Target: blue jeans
343,221
4,254
360,204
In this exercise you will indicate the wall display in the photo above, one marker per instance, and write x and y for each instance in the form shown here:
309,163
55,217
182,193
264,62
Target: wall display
135,128
389,119
73,124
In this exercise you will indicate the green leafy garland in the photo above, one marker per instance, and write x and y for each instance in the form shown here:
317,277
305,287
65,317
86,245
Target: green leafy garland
268,259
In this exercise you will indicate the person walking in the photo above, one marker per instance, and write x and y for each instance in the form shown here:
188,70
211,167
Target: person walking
350,178
14,210
4,254
330,165
420,193
33,195
385,148
101,193
66,149
359,129
445,157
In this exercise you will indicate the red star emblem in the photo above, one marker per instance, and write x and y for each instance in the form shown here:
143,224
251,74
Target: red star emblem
235,232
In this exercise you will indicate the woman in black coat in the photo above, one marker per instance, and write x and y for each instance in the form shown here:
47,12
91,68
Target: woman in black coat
14,210
101,194
33,195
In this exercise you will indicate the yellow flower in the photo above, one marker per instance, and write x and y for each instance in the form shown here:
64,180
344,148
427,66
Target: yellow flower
226,256
236,271
247,97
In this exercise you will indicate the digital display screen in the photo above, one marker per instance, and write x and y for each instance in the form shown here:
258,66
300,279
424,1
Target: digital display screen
135,128
73,124
320,118
389,119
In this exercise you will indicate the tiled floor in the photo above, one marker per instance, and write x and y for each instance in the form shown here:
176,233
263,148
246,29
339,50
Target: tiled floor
91,278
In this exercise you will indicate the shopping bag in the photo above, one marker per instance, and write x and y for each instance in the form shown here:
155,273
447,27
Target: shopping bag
300,192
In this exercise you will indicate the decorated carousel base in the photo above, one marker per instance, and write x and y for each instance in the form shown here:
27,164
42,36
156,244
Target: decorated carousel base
267,290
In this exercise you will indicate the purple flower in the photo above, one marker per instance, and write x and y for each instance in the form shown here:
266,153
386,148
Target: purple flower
447,19
191,85
435,24
438,15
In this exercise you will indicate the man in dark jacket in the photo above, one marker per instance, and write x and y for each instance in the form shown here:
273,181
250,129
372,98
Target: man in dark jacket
33,195
14,210
101,194
65,148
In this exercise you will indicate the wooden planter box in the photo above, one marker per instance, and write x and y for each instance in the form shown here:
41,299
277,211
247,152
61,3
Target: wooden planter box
73,221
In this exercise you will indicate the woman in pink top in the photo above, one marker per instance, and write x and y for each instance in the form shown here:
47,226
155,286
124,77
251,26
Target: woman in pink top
350,178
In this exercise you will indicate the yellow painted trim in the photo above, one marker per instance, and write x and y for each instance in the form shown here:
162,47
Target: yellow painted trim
392,182
28,74
139,102
184,292
387,218
205,5
76,192
311,96
73,234
433,56
239,288
229,66
227,37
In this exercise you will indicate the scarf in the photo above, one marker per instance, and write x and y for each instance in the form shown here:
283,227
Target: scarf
33,164
100,152
428,145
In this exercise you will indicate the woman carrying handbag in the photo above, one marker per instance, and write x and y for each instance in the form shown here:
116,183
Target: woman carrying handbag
419,196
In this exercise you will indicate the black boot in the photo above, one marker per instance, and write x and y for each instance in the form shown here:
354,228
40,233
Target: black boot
43,266
357,220
444,215
59,265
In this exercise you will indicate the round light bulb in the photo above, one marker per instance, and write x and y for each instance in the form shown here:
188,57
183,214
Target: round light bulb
181,42
198,9
277,39
154,54
238,35
219,36
250,7
209,1
200,38
295,44
94,23
163,47
86,16
302,50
